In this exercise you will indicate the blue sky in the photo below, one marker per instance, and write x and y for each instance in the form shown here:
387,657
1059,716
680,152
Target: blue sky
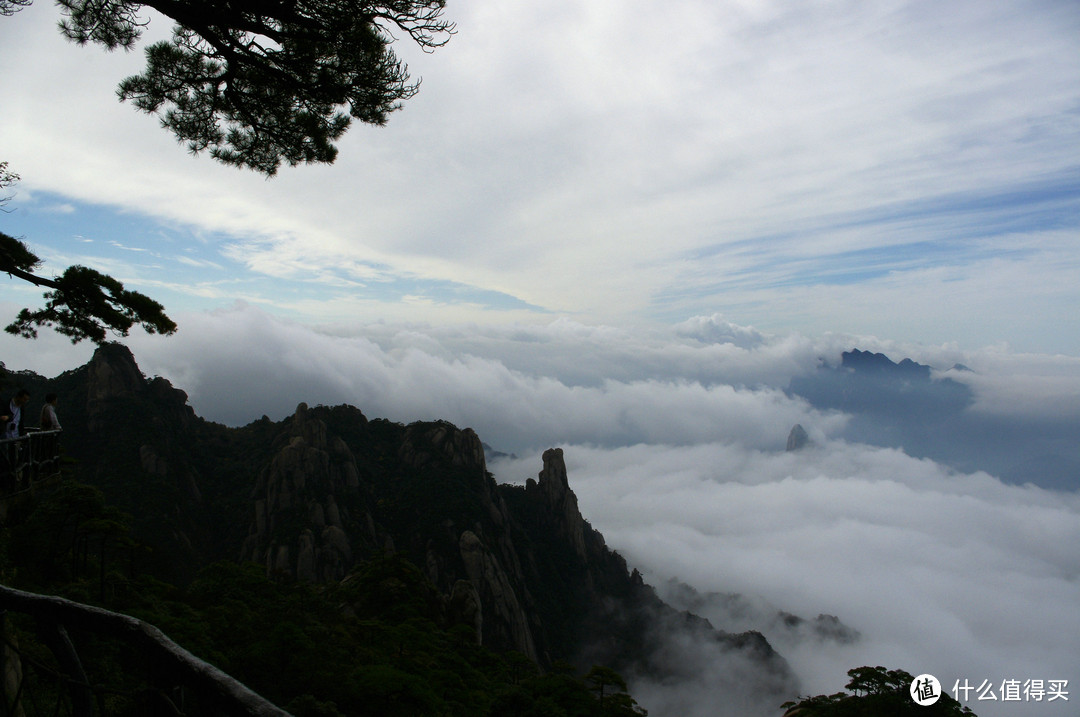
184,266
905,169
953,230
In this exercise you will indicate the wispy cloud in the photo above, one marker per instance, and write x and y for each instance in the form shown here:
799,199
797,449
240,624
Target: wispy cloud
765,159
118,245
199,263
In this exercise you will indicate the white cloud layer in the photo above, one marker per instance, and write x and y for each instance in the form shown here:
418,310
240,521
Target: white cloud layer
674,443
528,386
508,392
957,575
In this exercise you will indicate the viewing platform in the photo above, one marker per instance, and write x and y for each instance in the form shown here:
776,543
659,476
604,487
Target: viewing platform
26,462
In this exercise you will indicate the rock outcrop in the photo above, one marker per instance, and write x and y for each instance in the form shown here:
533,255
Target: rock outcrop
425,492
112,374
427,444
495,591
326,494
823,628
300,520
114,382
553,489
797,438
136,439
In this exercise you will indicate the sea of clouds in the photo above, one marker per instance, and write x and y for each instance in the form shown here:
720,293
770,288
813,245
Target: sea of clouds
674,441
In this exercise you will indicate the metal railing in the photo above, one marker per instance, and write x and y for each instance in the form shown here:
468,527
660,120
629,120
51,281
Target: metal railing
28,459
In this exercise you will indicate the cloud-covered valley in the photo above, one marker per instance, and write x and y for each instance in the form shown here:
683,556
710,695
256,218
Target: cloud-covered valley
675,443
959,575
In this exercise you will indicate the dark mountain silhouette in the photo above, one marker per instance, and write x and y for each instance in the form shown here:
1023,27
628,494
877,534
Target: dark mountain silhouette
865,362
872,384
903,405
320,495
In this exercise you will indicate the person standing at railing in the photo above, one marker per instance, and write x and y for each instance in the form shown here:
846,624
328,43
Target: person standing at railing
13,429
49,421
47,446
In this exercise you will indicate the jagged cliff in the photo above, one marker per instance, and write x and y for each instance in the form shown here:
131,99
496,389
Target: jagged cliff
299,490
313,497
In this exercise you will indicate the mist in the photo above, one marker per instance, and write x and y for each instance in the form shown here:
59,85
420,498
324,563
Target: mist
674,439
958,575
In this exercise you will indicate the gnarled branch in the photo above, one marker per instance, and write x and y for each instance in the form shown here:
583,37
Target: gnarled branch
225,694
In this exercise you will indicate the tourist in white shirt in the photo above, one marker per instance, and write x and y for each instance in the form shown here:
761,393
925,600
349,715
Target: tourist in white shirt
49,421
14,417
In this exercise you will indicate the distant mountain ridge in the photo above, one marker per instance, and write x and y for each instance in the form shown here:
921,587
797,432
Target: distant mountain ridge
866,362
314,496
872,383
906,405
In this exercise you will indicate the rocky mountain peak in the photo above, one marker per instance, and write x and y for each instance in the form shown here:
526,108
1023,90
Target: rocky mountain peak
326,493
797,438
307,427
429,443
562,507
553,480
307,486
870,363
113,379
113,373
